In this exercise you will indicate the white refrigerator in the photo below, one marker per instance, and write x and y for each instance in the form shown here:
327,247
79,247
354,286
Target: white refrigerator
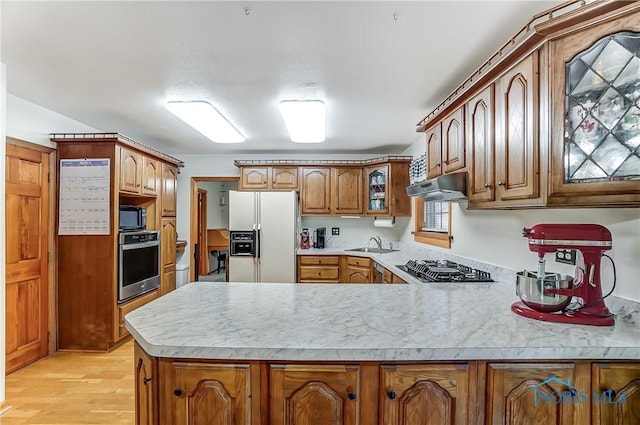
272,217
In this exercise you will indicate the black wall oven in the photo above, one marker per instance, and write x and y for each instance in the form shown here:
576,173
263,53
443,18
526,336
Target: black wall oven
138,264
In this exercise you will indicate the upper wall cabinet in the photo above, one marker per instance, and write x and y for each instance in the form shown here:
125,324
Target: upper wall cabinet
268,178
169,182
595,77
553,117
517,156
315,196
480,137
375,187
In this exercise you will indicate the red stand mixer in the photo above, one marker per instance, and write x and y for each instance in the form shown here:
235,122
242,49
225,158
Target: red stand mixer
547,296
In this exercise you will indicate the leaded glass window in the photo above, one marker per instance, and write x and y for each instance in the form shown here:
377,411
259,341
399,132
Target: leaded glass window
602,128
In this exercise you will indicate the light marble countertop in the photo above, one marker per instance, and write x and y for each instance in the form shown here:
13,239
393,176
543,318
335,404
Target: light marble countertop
334,322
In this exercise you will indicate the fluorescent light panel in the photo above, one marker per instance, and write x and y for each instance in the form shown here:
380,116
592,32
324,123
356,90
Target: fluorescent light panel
207,120
305,120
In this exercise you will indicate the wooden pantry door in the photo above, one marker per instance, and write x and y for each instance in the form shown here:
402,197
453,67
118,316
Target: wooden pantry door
27,241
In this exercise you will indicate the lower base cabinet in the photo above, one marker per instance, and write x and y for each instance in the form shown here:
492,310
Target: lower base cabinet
616,393
314,394
530,394
425,394
180,392
205,393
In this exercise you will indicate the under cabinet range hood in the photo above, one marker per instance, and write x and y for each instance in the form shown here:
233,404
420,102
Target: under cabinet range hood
448,188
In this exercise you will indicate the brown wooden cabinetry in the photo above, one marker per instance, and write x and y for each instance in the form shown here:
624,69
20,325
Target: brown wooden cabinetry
268,178
435,394
453,142
358,270
315,196
446,145
254,178
595,123
517,151
89,316
168,236
318,269
146,387
563,126
168,197
527,394
173,391
139,174
617,386
346,191
205,393
389,277
480,139
385,190
368,187
301,394
130,171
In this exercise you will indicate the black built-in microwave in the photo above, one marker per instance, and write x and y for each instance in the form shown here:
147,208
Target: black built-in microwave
132,218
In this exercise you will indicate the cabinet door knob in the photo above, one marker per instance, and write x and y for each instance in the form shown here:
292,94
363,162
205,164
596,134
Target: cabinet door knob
500,183
391,395
146,380
351,396
177,392
437,165
487,185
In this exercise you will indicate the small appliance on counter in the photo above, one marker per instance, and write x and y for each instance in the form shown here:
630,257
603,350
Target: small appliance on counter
553,297
305,239
318,237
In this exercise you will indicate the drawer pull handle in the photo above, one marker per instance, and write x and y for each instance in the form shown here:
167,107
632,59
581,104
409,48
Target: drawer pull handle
351,396
177,392
391,395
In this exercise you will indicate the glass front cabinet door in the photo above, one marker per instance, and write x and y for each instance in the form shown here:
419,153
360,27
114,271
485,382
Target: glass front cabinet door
595,144
377,179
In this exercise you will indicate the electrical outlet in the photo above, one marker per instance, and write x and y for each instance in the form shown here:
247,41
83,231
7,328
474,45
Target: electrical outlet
566,256
335,230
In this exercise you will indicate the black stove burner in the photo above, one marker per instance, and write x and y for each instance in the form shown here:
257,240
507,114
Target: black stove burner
444,271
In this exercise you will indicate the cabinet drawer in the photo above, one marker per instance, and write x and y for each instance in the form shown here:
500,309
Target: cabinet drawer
129,306
359,261
322,273
311,260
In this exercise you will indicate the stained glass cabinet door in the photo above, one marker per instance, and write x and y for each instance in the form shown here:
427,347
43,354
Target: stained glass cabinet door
595,146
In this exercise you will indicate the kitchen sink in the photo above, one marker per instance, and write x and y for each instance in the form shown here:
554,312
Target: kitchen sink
373,250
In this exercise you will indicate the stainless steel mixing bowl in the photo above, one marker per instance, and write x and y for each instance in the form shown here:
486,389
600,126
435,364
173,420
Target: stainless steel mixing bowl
531,291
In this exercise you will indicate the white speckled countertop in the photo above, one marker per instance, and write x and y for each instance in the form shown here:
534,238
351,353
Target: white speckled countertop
325,322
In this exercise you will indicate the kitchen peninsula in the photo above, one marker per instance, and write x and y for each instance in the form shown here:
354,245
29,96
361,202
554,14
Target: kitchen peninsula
257,353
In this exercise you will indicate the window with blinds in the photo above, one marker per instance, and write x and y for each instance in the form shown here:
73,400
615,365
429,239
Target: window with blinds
436,217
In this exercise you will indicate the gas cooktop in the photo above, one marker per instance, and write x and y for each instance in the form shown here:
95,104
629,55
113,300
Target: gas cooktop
443,271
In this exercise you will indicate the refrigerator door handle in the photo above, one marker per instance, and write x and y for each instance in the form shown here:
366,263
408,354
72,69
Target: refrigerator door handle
255,240
258,242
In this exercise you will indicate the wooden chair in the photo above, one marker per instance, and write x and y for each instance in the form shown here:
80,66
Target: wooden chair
217,242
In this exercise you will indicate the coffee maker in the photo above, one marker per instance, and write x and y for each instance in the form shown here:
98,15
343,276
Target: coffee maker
318,237
548,296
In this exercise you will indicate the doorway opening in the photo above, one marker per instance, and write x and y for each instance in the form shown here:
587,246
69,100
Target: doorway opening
209,227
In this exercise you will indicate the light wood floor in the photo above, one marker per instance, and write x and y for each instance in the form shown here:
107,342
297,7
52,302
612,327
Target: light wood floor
73,388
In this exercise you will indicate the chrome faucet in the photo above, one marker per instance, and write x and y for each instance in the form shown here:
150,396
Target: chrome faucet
377,240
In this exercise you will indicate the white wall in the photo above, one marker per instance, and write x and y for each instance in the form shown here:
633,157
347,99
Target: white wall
3,151
217,215
32,123
495,236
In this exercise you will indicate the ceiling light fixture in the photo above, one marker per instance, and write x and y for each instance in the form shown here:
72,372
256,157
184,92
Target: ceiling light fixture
207,120
305,120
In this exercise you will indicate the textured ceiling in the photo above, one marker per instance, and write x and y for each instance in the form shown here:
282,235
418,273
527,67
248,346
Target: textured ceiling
379,66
